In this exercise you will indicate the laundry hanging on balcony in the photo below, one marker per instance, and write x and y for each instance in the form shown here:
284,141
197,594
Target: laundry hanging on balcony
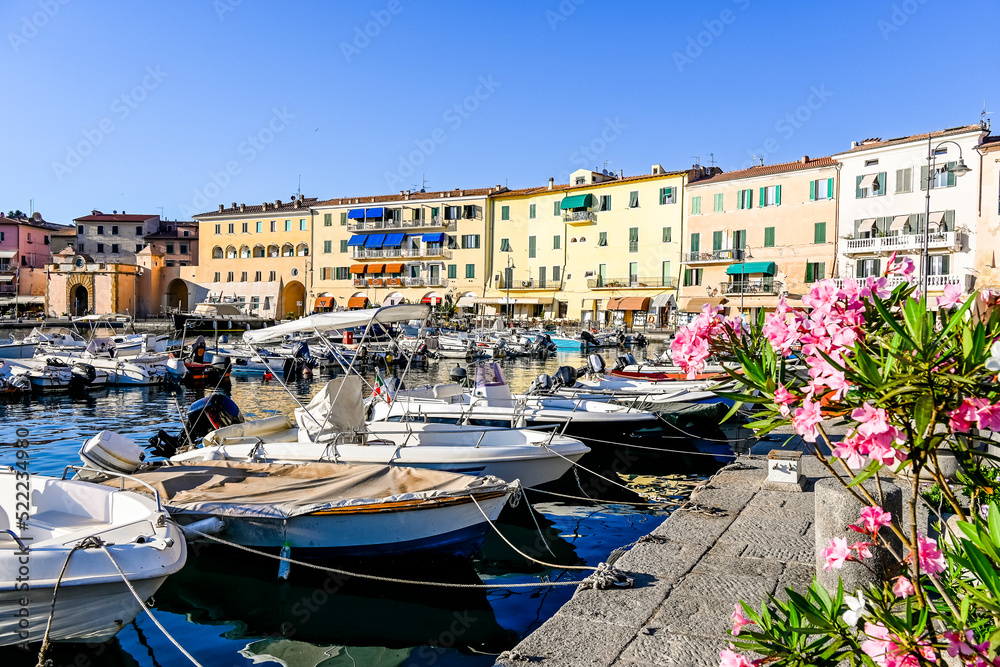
767,268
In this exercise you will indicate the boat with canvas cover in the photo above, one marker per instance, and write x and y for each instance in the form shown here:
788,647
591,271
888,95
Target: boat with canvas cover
93,602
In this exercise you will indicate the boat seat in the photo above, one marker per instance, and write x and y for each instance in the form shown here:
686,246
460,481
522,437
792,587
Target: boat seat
55,520
448,390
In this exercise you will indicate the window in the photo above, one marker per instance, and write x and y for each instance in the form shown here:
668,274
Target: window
288,225
665,274
541,276
505,212
667,234
272,276
692,277
229,277
470,270
218,229
452,271
100,247
580,180
138,247
666,196
531,211
555,207
343,219
633,239
327,220
100,229
870,185
717,203
343,245
80,230
769,237
904,180
504,245
868,267
452,243
218,277
170,248
186,233
770,195
138,231
815,271
184,248
695,205
324,273
938,265
716,241
556,242
114,248
452,212
81,248
469,212
243,277
256,276
605,203
602,239
633,199
245,227
871,163
696,242
342,273
739,238
821,189
232,228
470,241
944,177
114,229
744,199
303,225
819,232
556,273
274,225
531,247
327,246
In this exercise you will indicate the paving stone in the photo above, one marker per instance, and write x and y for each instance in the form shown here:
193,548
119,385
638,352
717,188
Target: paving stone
723,566
668,561
727,550
753,528
796,576
630,608
573,642
784,549
674,650
706,616
732,587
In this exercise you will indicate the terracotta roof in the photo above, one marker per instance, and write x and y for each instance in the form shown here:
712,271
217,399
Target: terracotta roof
377,199
111,217
257,209
880,143
564,187
67,230
766,170
990,143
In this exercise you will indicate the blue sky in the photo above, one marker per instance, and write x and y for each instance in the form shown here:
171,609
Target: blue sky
191,103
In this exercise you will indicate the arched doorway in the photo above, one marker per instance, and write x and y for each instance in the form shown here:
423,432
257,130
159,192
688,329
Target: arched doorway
359,300
177,295
293,299
81,301
325,302
394,299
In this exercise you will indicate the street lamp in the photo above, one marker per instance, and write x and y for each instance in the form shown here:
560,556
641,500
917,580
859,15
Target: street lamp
743,275
509,278
960,169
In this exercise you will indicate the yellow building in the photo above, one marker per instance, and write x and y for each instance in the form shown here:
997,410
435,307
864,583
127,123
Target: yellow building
987,230
256,255
759,233
417,247
602,248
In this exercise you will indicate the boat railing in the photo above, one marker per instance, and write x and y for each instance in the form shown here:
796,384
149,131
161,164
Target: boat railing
121,480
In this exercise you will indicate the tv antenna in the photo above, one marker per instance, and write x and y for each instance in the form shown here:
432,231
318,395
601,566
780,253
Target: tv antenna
697,159
984,122
711,159
298,193
757,158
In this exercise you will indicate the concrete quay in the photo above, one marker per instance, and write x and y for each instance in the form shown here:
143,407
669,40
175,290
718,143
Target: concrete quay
739,540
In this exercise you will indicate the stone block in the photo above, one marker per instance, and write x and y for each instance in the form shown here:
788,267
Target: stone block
797,576
784,549
566,640
724,566
674,650
626,607
728,588
705,616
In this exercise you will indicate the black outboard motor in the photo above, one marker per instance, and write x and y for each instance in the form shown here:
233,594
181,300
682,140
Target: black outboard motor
621,362
565,377
541,385
629,359
204,415
459,374
595,364
82,375
588,338
552,347
198,350
221,366
640,340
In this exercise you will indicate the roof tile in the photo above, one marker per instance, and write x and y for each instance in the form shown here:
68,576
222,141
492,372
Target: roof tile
767,170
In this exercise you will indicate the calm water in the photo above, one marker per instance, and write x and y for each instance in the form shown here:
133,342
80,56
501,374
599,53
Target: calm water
228,609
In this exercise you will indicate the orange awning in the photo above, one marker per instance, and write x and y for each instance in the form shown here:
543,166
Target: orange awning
629,303
324,302
357,302
375,268
394,268
358,268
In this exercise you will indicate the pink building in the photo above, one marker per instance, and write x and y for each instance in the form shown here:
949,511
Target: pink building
25,249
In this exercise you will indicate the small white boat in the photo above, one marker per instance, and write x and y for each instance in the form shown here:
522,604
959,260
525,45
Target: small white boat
16,349
142,369
93,602
55,374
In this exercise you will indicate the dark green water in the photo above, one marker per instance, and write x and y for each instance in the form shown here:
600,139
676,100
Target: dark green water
227,608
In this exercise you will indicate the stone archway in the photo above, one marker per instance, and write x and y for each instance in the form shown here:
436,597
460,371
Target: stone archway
79,301
293,299
80,294
177,295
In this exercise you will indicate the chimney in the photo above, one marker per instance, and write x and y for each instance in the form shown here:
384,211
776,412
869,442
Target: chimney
222,207
243,208
657,169
401,192
265,205
298,203
234,206
552,182
277,203
805,159
854,144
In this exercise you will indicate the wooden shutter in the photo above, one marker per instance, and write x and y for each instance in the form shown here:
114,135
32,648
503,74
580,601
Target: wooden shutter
695,242
857,188
951,174
923,177
821,271
531,246
949,220
763,197
812,190
809,272
777,195
716,241
829,188
881,182
769,237
819,232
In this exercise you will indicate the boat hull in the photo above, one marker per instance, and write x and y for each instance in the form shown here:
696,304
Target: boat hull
17,351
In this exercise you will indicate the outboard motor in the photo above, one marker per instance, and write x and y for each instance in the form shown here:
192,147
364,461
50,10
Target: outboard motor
629,359
112,451
565,376
621,362
552,347
221,365
640,340
541,385
459,374
82,375
595,364
204,415
588,338
198,350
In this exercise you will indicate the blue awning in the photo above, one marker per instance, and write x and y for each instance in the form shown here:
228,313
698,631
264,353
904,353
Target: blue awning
393,240
356,214
437,237
357,240
374,212
375,241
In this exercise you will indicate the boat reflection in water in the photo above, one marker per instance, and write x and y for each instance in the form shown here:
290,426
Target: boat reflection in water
321,618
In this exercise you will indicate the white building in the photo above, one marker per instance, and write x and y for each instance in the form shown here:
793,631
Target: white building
883,189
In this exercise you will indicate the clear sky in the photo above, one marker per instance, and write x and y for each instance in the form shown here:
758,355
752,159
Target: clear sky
190,103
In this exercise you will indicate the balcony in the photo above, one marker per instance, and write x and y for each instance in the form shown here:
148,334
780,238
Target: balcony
758,286
580,217
935,283
413,281
531,283
714,257
436,222
902,243
435,281
633,282
433,252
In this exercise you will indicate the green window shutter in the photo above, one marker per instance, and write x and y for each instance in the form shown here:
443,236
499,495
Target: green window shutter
750,199
327,246
821,271
949,220
829,188
809,272
531,211
531,246
343,217
716,241
687,277
556,241
667,234
763,197
695,242
327,221
857,188
812,190
951,175
777,195
470,270
555,208
769,237
452,271
718,203
505,212
602,239
695,205
819,235
882,176
633,234
343,246
923,177
946,264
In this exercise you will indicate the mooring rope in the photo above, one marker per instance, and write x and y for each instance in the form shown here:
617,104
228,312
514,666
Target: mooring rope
599,501
83,544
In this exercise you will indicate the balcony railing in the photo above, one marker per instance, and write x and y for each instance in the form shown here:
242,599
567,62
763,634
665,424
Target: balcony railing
901,242
934,282
413,281
436,222
633,282
442,253
530,283
727,256
435,281
758,286
8,288
584,217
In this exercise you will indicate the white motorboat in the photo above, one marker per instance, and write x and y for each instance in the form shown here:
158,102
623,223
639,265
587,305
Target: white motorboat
332,429
93,602
54,338
143,369
10,348
54,373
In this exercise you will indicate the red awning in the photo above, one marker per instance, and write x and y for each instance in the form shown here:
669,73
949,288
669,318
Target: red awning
629,303
357,302
324,302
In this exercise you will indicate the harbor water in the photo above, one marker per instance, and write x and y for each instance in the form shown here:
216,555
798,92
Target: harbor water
228,607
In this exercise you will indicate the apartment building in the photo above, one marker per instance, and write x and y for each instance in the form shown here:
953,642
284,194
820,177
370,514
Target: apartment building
602,248
413,247
177,241
987,263
886,188
758,234
113,238
25,249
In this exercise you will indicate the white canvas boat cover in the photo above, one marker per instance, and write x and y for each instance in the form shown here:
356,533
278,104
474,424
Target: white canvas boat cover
270,490
340,320
337,408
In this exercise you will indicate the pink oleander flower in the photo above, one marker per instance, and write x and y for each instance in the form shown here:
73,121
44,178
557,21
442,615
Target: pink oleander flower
957,646
873,518
739,620
730,658
851,451
861,548
878,645
783,398
876,287
836,553
806,419
903,588
904,266
989,416
931,559
963,418
952,297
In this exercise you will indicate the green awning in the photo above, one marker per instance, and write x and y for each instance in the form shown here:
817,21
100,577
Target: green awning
767,268
577,201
